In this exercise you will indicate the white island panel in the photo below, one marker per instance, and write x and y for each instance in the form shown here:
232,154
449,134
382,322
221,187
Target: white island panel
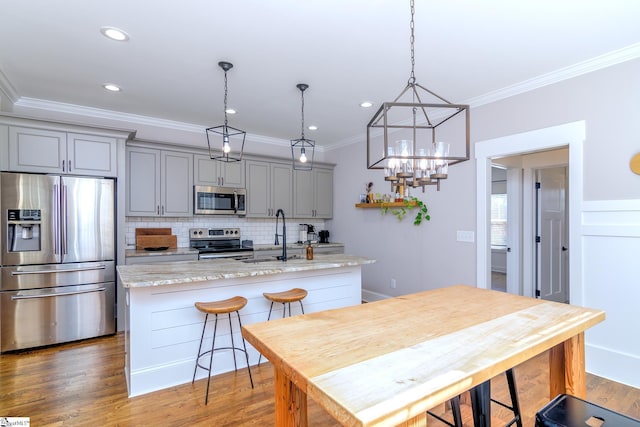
163,327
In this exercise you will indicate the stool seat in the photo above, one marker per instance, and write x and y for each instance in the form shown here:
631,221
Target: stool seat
292,295
222,306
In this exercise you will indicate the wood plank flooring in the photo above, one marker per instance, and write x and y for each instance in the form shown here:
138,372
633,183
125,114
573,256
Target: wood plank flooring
83,384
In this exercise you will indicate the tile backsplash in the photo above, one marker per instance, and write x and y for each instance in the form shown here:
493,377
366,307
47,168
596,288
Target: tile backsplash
261,231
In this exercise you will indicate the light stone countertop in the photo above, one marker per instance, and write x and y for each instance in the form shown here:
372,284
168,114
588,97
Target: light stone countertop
142,252
171,273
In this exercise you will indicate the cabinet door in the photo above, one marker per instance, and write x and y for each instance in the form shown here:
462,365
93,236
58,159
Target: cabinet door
143,182
91,155
177,184
303,190
282,188
233,174
215,173
323,189
36,150
206,171
258,189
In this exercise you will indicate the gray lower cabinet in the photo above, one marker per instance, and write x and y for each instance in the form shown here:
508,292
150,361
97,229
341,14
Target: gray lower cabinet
269,188
220,174
159,182
313,193
52,151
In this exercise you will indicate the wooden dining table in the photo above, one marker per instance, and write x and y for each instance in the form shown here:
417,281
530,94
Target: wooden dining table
386,363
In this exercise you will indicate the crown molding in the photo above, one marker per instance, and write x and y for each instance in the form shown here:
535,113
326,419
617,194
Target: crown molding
603,61
7,89
594,64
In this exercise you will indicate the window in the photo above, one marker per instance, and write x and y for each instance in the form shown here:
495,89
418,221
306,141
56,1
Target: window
499,220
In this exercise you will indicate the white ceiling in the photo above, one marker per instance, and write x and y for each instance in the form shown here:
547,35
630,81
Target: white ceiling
347,51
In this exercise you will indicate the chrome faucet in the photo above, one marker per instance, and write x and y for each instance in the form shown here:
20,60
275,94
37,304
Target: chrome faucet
283,257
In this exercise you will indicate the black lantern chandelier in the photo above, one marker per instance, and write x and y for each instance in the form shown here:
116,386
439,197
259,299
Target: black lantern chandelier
302,149
225,143
412,138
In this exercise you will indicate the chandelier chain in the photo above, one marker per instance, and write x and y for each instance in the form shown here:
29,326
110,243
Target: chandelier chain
412,78
302,95
225,99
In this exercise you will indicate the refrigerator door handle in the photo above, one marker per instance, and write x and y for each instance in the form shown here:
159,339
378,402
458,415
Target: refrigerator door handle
56,219
63,222
59,294
61,270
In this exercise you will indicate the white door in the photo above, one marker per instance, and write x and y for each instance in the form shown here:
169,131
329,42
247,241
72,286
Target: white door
552,273
514,227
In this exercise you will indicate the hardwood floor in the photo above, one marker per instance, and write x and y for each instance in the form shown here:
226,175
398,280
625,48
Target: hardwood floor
82,384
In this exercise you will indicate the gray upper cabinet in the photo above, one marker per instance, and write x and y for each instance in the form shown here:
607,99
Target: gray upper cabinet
160,183
313,193
269,188
216,173
50,151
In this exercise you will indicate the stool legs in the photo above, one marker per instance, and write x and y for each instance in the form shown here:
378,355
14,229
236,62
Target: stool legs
233,349
481,401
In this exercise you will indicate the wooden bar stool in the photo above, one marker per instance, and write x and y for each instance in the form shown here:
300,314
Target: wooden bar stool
285,298
226,306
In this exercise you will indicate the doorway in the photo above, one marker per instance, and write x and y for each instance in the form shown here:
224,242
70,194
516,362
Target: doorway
569,135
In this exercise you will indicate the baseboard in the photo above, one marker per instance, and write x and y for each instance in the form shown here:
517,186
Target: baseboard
612,365
371,296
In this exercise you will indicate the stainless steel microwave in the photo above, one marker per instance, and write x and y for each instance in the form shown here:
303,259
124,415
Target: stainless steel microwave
219,200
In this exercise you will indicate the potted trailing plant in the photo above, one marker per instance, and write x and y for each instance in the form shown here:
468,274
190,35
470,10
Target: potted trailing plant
409,204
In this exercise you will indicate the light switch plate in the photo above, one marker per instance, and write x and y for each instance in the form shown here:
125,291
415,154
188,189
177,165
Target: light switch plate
466,236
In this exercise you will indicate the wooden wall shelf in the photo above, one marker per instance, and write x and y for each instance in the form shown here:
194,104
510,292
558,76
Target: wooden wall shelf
384,205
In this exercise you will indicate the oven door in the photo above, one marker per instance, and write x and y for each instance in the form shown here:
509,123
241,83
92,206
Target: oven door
219,200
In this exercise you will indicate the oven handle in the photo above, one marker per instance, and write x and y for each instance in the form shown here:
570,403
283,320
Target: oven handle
62,294
219,256
66,270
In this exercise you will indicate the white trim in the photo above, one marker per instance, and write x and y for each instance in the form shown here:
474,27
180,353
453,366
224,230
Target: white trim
7,88
569,134
371,296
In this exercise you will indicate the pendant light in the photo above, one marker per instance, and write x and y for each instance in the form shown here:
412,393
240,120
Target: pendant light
302,149
226,143
417,136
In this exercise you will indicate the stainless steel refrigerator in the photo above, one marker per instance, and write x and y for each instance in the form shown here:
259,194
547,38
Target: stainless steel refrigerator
57,259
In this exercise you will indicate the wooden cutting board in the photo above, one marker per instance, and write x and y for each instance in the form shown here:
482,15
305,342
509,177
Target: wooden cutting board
153,231
155,238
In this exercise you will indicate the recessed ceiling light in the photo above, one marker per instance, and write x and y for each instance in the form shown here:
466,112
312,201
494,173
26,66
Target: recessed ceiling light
366,104
111,87
230,111
313,127
114,34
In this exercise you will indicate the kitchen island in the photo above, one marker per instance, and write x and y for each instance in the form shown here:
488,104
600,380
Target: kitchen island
162,326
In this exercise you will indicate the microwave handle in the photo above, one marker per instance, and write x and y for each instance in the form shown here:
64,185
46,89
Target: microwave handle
235,202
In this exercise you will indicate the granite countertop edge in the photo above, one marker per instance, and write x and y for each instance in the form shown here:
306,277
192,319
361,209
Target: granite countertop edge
172,273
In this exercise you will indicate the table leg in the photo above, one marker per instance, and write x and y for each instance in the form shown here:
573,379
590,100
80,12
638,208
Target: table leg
291,402
419,421
481,404
566,368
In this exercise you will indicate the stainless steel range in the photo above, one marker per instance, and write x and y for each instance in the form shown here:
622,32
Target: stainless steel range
213,243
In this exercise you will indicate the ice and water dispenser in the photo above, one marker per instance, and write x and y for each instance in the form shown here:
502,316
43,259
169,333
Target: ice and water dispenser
23,230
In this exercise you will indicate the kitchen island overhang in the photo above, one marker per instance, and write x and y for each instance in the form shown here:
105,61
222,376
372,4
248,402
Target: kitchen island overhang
163,328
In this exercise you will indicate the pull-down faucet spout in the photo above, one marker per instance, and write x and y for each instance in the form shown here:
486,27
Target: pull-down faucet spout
279,212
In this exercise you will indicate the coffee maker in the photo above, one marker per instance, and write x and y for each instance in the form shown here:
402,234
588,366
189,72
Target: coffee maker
324,236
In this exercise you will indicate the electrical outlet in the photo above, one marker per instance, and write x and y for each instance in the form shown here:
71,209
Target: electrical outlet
393,283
